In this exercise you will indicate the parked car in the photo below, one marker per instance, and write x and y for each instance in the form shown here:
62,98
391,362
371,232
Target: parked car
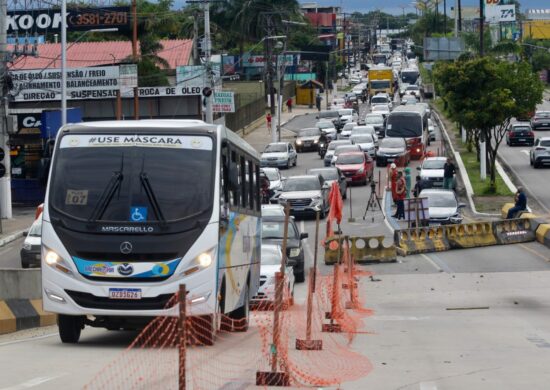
331,116
357,167
305,194
443,207
392,150
274,177
332,147
431,171
327,128
378,122
431,131
540,152
273,233
272,210
344,149
520,133
346,130
308,139
270,265
31,250
332,174
541,120
366,143
279,154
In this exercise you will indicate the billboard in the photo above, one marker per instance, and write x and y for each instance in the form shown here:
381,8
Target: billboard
223,101
78,19
443,48
195,75
500,13
259,61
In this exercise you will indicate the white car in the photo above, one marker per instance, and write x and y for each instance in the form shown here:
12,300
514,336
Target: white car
382,109
365,142
279,154
431,171
270,210
348,115
271,264
274,176
338,103
327,128
431,131
377,121
413,90
346,130
31,250
381,99
403,88
365,129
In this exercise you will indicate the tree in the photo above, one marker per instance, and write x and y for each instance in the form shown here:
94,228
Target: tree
485,94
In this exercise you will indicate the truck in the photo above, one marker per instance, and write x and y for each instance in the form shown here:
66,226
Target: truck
381,80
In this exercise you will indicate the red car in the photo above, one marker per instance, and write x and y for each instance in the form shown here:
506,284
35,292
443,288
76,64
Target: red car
357,167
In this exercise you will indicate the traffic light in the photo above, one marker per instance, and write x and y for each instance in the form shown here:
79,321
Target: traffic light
2,166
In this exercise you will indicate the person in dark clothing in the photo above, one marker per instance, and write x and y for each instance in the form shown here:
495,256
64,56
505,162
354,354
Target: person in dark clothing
318,99
323,143
449,171
289,104
520,204
419,186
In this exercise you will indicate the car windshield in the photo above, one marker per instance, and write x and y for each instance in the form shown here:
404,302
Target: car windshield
545,143
374,119
409,77
433,164
440,199
392,143
363,130
275,230
345,149
355,158
132,178
381,107
275,148
271,174
542,115
412,88
271,255
327,174
362,139
329,114
325,125
301,183
274,210
310,133
345,112
334,144
521,128
379,100
349,126
36,228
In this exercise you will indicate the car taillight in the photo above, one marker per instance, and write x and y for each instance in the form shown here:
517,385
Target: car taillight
531,134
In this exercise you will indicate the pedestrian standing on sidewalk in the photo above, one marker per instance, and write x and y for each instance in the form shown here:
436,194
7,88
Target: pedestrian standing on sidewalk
268,120
408,181
400,189
318,99
449,171
392,179
289,104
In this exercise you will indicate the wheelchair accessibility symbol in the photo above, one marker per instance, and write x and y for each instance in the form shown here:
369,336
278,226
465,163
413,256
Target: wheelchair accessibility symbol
138,214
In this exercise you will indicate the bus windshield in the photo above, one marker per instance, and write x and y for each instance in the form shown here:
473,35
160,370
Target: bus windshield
404,125
409,77
133,178
379,84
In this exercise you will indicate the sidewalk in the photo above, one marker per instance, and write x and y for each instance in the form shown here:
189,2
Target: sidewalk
14,228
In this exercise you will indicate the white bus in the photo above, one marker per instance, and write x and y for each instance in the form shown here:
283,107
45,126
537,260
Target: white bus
134,209
410,122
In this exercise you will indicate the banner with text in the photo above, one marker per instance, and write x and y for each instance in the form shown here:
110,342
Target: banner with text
500,13
223,102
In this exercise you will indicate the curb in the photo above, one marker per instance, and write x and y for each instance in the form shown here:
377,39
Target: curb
12,237
19,314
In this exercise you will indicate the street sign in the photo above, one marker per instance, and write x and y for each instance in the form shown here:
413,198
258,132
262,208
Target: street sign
223,102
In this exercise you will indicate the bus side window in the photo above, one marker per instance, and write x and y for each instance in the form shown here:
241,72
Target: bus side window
251,185
224,175
234,185
244,194
257,200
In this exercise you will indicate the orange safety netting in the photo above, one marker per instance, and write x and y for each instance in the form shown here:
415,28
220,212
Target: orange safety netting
243,352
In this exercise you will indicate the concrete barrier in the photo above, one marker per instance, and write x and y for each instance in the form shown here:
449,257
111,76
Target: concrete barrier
505,209
542,234
372,249
333,249
470,235
421,240
20,300
514,231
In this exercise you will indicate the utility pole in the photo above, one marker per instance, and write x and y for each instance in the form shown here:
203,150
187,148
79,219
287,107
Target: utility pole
5,182
196,59
444,16
135,54
269,84
456,18
459,16
208,55
481,26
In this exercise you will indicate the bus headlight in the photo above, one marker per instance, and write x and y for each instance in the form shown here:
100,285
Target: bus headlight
202,261
52,259
205,259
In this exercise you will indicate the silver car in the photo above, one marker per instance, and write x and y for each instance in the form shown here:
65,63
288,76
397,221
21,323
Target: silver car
305,194
279,154
443,207
540,152
332,174
365,142
332,147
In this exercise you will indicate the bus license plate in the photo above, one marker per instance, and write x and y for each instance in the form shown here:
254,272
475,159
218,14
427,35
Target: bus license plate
125,293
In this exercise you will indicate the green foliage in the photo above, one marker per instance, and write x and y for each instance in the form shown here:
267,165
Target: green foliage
540,60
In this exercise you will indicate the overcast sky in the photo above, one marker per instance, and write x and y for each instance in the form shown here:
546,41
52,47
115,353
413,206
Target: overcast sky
394,6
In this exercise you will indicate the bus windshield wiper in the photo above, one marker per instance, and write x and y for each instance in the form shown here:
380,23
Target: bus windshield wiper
106,196
151,196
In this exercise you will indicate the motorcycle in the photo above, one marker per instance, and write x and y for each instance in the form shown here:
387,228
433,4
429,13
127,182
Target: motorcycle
322,149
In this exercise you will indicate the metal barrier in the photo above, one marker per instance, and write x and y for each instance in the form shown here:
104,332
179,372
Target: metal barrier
421,240
470,235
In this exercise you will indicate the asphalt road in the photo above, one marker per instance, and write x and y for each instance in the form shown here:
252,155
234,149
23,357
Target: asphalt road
9,254
472,319
535,181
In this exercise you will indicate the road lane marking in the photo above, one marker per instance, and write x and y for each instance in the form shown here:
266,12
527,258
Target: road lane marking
525,151
535,252
438,268
34,382
27,340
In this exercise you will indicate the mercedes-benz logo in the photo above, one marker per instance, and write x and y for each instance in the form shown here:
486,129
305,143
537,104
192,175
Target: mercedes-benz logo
125,269
126,247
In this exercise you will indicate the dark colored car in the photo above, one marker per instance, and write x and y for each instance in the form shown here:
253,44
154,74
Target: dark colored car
273,233
308,139
392,150
520,134
331,174
31,250
541,120
333,116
